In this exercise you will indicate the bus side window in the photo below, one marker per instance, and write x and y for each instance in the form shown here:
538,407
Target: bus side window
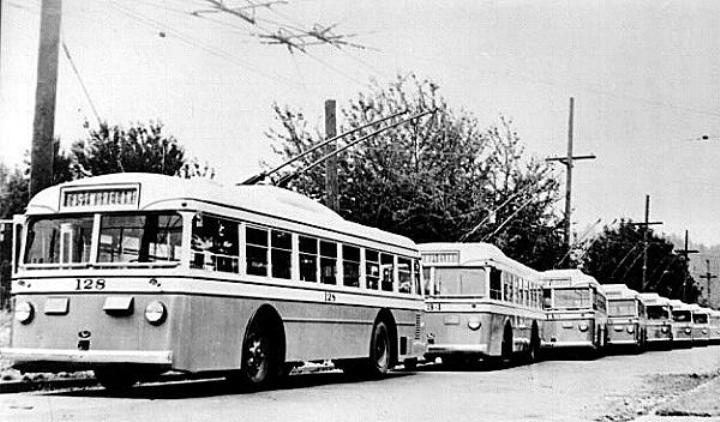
351,266
308,259
547,298
372,269
416,276
427,279
256,251
328,262
387,270
280,254
495,284
404,276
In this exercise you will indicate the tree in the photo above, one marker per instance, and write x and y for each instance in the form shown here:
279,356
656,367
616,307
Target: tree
616,256
433,180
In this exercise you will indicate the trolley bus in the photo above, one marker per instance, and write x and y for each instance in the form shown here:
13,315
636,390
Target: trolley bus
626,317
700,325
659,320
576,311
135,274
682,324
480,304
714,327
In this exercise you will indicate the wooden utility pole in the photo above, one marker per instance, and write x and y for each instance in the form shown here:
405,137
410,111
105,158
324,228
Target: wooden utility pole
331,180
568,161
646,232
709,277
685,252
41,151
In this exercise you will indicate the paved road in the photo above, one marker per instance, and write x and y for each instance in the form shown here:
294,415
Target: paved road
558,390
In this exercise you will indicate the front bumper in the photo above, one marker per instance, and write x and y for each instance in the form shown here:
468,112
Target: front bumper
76,358
580,344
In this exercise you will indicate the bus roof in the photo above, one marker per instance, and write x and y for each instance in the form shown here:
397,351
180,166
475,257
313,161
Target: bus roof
654,299
568,277
694,307
469,253
157,192
679,305
618,291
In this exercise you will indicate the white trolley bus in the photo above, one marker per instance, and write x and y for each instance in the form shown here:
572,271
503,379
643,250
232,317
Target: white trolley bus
480,304
700,325
576,310
714,327
627,321
659,320
682,324
135,274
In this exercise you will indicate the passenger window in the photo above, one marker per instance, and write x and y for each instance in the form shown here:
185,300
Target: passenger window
351,266
495,284
281,251
215,244
256,251
328,262
404,276
308,259
547,298
387,267
428,282
372,269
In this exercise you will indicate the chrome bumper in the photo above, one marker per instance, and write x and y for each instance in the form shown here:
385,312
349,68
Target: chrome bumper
440,349
163,358
568,344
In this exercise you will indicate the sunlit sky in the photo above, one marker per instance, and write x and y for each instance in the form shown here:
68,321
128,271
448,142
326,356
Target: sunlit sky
645,76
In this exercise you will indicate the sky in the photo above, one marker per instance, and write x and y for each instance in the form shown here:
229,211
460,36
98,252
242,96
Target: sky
645,76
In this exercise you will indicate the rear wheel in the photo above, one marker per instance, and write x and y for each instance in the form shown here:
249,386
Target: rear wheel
533,352
380,353
116,379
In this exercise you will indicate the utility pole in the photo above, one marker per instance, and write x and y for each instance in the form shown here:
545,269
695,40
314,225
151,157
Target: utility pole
709,277
685,252
41,151
646,225
331,181
568,161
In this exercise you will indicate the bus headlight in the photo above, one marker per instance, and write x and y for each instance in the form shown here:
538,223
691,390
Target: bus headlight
474,324
583,327
688,330
631,329
704,330
24,312
664,329
155,312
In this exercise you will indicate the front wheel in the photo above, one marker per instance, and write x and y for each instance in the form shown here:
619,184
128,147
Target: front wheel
261,364
380,354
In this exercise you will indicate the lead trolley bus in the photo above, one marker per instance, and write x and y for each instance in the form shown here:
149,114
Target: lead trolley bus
480,304
135,274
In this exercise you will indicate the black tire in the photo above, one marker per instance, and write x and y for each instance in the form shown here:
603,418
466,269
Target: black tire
410,364
506,350
261,361
116,379
533,353
380,350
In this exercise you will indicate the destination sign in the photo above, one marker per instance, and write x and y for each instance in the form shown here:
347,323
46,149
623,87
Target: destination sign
120,196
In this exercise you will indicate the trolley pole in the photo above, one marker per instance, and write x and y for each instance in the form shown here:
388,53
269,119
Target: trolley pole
685,252
709,277
569,161
331,177
41,151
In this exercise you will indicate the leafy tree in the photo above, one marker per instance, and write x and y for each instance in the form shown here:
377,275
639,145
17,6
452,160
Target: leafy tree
616,256
437,179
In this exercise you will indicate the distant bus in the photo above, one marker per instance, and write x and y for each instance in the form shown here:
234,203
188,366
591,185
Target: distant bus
714,327
135,274
480,304
659,320
576,310
701,325
626,317
682,324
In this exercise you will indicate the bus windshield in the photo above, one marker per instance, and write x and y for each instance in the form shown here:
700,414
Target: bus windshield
681,316
148,237
572,298
700,318
59,240
657,312
622,308
460,281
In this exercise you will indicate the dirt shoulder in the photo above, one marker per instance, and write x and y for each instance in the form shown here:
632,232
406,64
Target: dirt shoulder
703,401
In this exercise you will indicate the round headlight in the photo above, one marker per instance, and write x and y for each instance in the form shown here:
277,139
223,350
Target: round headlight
630,329
583,327
664,329
155,312
24,312
688,330
474,324
704,330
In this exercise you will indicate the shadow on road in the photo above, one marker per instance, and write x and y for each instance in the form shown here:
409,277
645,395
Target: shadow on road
198,388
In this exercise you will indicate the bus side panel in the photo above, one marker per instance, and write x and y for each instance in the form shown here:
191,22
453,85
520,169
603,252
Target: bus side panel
497,330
